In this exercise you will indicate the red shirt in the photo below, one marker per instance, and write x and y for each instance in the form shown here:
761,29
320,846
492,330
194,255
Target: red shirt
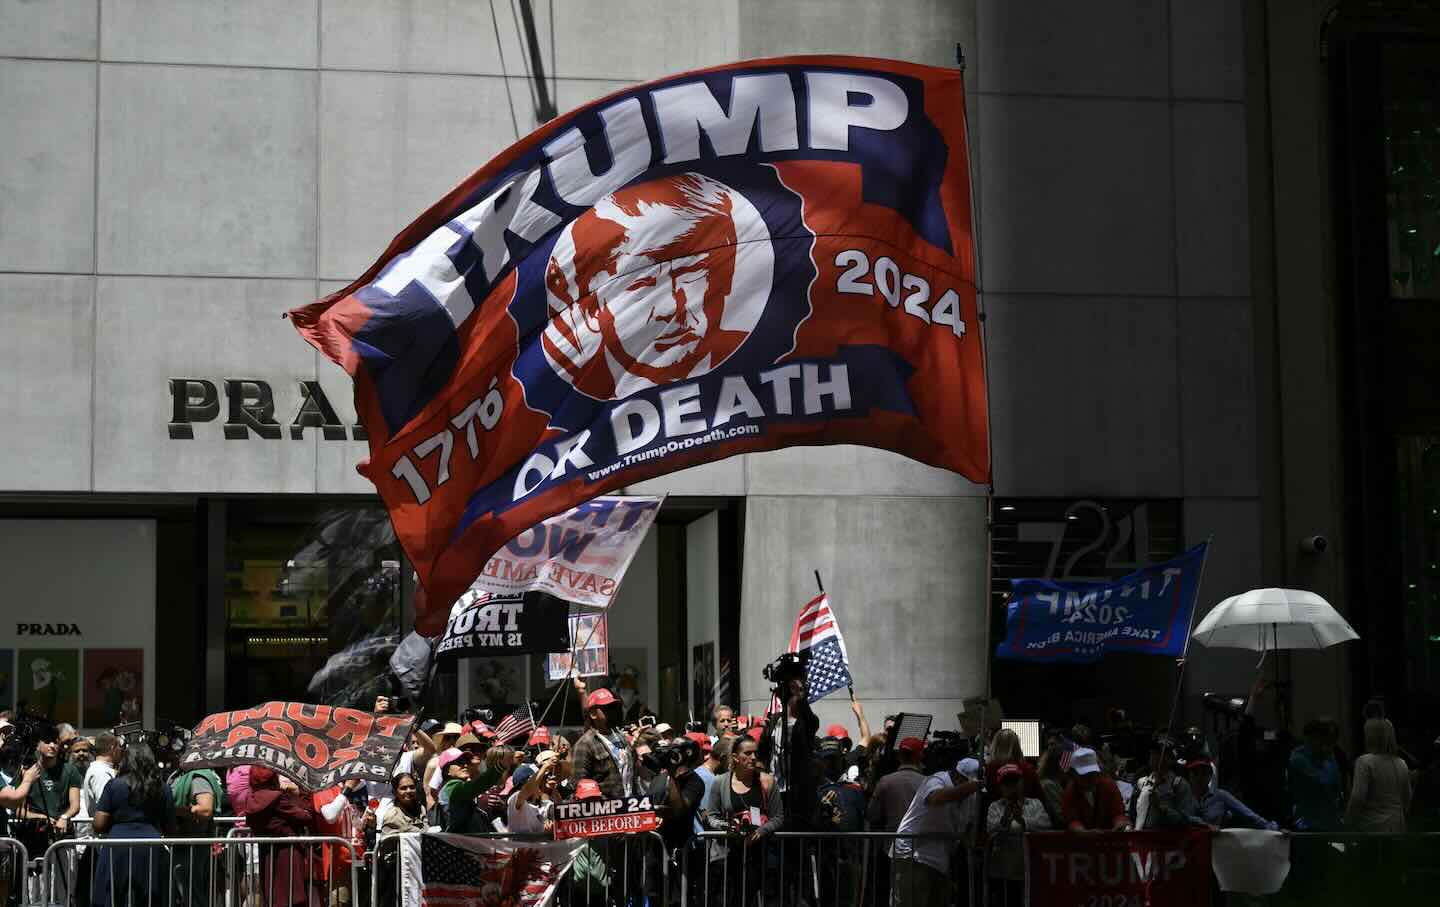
1097,816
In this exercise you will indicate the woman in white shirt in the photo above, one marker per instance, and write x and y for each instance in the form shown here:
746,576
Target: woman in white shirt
1380,797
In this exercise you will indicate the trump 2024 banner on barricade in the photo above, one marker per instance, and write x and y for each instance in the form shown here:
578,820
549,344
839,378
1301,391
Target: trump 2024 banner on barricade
1133,869
316,746
579,555
755,256
599,818
1147,612
486,625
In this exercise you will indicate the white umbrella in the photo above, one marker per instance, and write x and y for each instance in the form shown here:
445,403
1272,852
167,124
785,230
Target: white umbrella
1267,620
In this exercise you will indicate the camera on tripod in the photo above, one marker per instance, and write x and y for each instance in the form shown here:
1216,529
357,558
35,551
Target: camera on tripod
670,756
787,667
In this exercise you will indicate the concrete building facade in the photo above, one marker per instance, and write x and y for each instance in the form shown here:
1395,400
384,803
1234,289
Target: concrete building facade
177,173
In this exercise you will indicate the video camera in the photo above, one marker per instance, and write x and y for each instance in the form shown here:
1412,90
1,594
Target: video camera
167,740
670,756
472,715
787,667
18,747
944,750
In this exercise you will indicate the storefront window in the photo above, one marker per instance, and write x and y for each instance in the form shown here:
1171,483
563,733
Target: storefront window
1419,458
1412,160
312,602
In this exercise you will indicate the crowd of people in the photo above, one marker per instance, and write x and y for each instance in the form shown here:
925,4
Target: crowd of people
957,807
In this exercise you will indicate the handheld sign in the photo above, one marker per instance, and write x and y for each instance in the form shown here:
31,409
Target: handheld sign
486,625
598,818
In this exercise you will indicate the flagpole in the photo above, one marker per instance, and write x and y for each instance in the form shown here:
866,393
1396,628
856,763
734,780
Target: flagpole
821,585
988,602
1185,650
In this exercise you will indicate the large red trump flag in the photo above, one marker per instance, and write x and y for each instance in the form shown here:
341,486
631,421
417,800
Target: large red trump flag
743,258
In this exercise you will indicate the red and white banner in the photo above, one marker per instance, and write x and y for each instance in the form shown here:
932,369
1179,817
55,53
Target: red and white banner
1120,869
580,555
598,818
444,870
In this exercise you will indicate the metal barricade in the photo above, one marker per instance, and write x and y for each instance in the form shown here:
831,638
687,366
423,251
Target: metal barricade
618,869
836,869
14,872
201,872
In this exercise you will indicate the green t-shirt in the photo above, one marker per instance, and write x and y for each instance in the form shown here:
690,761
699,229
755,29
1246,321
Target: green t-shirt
51,794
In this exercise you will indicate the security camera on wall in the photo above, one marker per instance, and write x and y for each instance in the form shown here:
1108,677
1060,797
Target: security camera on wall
1314,544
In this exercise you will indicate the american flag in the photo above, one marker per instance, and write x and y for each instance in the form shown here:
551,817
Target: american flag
1067,752
521,721
818,630
459,871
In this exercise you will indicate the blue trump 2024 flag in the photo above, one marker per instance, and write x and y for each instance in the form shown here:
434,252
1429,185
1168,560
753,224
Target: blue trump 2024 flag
1147,612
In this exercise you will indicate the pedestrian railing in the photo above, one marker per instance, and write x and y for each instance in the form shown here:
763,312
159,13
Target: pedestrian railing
14,872
201,872
786,869
618,869
837,869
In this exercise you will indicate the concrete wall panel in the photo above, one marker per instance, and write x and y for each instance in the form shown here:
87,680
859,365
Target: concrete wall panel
1217,397
456,36
391,146
207,171
1104,47
721,478
54,28
846,469
1207,48
906,577
1076,196
253,33
1212,202
925,32
46,361
1083,396
638,40
149,330
47,166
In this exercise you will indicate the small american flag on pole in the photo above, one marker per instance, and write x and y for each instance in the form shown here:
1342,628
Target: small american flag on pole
521,721
817,630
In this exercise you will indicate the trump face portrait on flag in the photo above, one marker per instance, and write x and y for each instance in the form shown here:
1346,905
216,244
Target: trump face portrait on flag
657,283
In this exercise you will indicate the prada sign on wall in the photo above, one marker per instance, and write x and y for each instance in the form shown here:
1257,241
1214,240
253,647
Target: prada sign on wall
249,406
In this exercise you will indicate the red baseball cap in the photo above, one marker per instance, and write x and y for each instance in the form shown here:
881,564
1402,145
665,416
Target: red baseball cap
587,789
599,698
1009,770
700,740
837,731
541,735
756,732
481,729
912,745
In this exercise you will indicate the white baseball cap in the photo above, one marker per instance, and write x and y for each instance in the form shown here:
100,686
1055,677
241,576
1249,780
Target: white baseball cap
1084,761
969,767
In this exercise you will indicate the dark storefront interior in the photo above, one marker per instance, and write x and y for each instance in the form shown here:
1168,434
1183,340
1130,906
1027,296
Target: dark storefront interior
1385,78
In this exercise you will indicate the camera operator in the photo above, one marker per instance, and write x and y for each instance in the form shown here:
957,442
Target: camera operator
788,742
675,790
54,798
